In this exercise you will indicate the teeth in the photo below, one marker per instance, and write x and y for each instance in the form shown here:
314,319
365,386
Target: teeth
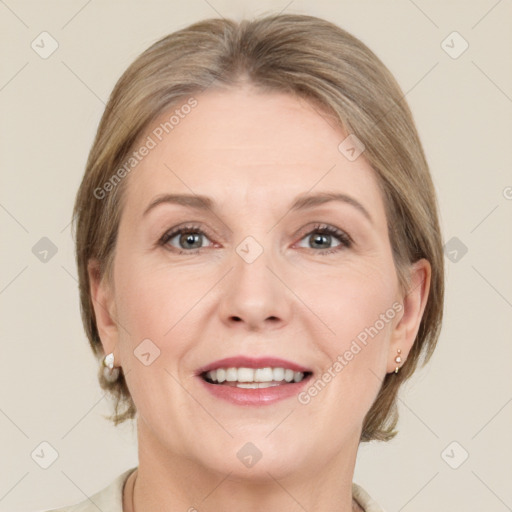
245,375
288,375
254,378
254,385
278,374
231,374
262,375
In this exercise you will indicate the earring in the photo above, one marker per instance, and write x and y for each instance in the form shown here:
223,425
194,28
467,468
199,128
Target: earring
398,359
110,372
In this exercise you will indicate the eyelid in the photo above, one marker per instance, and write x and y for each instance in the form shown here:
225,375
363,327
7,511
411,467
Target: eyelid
328,228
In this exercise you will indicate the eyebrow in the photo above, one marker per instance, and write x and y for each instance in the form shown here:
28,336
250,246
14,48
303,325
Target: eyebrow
302,202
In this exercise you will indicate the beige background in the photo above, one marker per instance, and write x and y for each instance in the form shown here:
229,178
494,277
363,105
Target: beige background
50,111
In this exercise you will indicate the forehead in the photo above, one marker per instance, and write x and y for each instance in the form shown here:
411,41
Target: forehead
251,145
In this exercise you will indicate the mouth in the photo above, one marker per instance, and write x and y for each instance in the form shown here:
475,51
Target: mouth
254,381
254,378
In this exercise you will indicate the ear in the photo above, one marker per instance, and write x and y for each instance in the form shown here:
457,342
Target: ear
414,302
102,298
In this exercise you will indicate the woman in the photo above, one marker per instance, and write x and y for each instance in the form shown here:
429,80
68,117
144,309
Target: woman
260,265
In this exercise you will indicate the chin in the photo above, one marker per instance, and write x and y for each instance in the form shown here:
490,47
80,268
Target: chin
257,457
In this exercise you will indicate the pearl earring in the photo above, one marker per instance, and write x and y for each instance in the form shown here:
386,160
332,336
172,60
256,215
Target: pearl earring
398,359
110,372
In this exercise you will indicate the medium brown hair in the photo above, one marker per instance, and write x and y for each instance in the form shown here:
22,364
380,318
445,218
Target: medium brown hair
296,54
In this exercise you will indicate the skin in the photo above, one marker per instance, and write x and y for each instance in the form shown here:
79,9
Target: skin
252,153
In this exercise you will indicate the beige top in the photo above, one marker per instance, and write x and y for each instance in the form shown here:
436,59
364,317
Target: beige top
110,499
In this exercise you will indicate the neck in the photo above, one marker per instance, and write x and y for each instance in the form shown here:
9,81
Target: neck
168,481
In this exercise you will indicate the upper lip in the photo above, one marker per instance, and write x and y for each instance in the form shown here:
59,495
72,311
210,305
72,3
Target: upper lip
252,362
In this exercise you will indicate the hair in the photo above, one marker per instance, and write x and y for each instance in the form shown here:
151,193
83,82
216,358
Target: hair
310,58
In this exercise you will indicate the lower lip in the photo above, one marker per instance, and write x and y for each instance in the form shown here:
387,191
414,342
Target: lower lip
257,396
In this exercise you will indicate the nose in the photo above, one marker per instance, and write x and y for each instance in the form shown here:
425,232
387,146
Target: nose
254,294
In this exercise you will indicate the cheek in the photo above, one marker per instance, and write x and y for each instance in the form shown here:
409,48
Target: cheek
155,337
360,307
149,315
162,312
356,299
151,299
363,310
355,357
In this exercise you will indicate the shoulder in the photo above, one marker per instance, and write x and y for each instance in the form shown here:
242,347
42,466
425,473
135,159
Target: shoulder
366,502
109,498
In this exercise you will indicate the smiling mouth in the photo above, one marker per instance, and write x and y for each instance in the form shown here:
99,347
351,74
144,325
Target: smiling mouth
254,378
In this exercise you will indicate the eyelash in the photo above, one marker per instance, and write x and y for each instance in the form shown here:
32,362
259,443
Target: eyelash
346,241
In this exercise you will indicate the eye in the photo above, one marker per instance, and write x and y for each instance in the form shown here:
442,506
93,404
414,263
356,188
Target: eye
321,237
189,238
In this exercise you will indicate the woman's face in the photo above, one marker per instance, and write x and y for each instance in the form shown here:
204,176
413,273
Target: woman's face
254,276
